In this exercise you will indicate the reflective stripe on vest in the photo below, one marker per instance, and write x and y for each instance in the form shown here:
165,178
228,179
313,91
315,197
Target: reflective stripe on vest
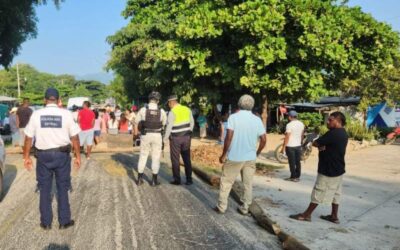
182,119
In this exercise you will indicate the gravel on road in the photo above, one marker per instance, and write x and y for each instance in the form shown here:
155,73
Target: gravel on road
111,212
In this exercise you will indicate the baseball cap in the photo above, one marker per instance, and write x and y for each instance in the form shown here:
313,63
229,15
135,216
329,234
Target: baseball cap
51,93
172,97
292,113
14,109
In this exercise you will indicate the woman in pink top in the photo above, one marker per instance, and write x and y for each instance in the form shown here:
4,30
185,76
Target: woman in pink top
97,127
104,121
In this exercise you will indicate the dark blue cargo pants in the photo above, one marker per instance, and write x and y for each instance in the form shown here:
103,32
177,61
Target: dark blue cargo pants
55,163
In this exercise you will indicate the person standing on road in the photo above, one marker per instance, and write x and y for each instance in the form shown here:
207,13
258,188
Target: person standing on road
86,119
331,168
292,145
150,122
23,115
14,128
239,155
54,129
202,121
179,129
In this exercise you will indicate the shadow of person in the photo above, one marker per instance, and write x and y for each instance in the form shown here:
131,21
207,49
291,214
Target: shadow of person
55,246
8,178
129,162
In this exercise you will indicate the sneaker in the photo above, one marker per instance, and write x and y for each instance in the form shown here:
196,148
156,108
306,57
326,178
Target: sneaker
175,182
216,209
289,179
243,212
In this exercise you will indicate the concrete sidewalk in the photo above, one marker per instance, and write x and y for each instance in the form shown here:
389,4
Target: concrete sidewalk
369,211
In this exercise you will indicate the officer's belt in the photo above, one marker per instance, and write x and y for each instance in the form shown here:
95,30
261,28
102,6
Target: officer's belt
153,130
63,149
183,133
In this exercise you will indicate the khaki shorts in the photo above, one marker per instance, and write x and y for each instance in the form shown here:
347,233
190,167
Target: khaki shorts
21,137
327,190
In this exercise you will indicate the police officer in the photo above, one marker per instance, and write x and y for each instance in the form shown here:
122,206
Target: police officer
179,129
150,121
54,129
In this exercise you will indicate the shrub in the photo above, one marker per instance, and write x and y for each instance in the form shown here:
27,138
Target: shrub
311,120
357,131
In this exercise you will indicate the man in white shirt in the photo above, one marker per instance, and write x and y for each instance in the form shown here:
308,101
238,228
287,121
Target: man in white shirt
54,129
292,145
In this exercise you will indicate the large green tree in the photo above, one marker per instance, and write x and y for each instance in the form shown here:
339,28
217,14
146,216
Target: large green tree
34,84
17,24
280,49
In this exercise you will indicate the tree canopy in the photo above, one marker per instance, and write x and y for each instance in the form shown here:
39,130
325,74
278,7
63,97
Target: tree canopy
17,24
285,49
34,84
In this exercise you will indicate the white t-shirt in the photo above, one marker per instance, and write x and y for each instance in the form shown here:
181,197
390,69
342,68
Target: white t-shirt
52,127
295,128
112,125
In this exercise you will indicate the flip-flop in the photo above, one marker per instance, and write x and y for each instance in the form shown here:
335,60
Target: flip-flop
329,218
300,217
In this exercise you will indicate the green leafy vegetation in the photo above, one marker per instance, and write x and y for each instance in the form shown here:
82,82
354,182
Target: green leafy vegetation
283,50
311,119
34,84
17,24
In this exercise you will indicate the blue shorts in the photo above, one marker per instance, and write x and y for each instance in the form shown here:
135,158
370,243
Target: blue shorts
97,133
86,137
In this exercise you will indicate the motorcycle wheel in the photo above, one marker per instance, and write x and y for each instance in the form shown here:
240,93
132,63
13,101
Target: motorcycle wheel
390,141
305,154
279,157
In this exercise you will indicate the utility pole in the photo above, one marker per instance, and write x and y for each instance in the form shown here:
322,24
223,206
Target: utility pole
19,88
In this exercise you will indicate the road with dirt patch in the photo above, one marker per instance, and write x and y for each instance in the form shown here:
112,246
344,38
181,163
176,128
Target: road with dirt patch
111,212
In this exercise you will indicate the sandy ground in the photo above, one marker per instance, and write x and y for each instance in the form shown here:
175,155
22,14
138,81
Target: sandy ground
111,212
370,207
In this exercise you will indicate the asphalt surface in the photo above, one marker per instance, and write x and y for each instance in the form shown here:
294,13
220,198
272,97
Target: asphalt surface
111,212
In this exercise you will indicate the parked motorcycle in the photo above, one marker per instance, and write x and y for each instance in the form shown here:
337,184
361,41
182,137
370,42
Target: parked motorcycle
306,148
392,136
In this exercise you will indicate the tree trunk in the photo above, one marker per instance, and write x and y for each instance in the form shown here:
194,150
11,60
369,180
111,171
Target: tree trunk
264,112
364,118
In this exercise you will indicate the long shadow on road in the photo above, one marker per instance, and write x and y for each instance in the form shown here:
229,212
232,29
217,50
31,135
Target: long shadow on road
8,179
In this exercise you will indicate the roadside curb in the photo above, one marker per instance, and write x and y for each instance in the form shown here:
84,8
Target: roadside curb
212,180
264,220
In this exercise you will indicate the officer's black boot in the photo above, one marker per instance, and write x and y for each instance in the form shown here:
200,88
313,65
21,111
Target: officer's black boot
140,179
154,181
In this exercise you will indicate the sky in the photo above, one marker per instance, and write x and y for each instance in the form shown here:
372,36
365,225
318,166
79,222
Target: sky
72,40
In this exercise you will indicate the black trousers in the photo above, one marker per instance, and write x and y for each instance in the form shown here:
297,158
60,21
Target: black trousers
294,157
58,164
180,146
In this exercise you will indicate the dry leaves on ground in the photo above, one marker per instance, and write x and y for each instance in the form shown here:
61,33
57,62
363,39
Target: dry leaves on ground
207,155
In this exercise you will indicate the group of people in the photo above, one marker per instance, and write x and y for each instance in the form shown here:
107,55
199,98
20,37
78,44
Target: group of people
17,120
56,132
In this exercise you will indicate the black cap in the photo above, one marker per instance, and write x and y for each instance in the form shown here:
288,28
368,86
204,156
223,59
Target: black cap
51,93
172,97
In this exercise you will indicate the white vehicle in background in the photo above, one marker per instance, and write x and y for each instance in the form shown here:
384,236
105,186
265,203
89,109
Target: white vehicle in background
77,101
2,165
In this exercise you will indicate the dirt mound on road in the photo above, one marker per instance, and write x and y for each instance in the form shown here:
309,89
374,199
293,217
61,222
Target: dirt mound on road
207,155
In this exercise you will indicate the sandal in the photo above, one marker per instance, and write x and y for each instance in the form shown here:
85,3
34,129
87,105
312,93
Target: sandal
330,219
300,217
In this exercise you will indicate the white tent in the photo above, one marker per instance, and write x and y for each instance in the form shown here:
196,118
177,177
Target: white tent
7,99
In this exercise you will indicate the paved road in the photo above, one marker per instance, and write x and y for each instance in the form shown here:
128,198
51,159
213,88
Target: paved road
111,212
